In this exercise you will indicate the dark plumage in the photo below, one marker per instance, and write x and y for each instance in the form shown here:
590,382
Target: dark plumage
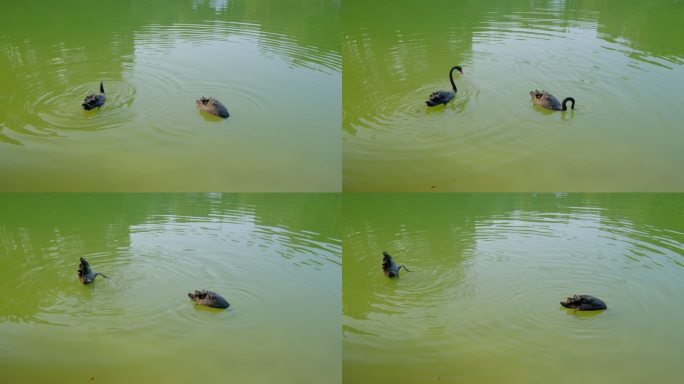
208,298
584,303
86,274
95,100
390,267
213,106
547,100
443,97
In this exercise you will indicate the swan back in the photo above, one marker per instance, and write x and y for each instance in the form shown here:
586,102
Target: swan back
95,100
208,298
545,99
85,273
213,106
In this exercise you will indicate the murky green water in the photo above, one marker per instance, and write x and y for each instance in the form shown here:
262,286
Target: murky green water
622,62
276,258
275,64
481,303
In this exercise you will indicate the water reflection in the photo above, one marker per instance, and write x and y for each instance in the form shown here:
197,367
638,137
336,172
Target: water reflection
276,66
115,33
488,137
375,49
489,271
218,5
275,258
53,66
42,237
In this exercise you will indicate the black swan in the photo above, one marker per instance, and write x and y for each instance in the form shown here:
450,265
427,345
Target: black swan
95,100
584,303
390,267
86,274
209,298
443,97
213,106
547,100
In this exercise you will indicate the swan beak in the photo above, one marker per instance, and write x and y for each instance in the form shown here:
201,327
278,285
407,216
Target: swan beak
460,70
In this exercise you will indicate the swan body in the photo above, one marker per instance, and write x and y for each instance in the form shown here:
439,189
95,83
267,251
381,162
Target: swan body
443,97
390,267
95,100
213,106
548,101
208,298
86,274
584,303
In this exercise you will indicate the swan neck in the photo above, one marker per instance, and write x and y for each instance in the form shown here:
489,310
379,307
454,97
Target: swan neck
565,102
451,78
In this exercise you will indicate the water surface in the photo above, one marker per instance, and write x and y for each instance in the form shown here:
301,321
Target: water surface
621,61
275,258
481,303
276,65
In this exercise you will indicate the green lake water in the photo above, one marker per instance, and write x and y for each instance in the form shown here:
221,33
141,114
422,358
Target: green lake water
276,65
275,258
622,61
481,303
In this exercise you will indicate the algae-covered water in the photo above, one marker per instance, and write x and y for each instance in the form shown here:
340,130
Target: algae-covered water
275,258
622,61
481,303
275,64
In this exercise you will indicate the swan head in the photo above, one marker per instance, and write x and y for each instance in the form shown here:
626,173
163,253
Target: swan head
458,68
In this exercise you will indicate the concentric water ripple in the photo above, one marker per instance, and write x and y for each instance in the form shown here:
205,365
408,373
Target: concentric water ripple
491,136
277,72
162,38
64,110
167,256
488,273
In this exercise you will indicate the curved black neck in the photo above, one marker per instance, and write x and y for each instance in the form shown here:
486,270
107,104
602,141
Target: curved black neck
451,78
565,101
